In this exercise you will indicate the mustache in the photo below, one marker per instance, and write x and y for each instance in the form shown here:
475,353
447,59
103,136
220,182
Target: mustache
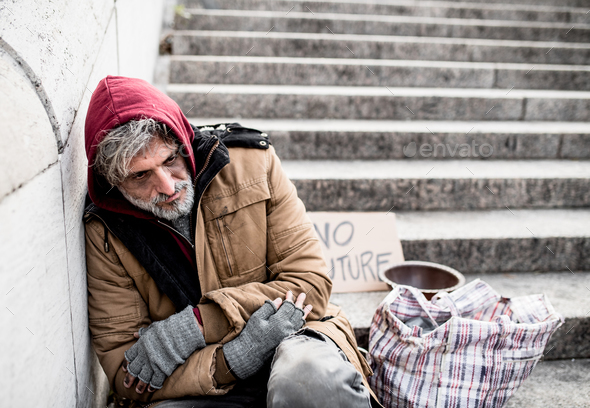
160,198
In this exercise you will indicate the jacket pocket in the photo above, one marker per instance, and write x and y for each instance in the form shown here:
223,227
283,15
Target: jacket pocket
235,226
221,227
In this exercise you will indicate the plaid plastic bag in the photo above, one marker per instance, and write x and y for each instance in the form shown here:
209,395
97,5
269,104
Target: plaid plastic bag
481,348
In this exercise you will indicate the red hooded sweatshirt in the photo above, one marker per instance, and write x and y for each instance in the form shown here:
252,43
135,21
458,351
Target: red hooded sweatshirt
118,100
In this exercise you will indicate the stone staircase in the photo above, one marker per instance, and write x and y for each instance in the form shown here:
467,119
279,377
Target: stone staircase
350,92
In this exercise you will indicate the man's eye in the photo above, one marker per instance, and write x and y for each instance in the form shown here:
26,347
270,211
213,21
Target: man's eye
139,176
171,159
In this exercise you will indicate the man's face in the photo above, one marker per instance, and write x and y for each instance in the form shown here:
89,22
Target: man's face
159,181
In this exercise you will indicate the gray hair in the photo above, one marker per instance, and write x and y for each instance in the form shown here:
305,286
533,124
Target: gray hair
123,143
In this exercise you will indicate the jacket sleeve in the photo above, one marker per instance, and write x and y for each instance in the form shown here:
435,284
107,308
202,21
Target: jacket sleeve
294,262
117,309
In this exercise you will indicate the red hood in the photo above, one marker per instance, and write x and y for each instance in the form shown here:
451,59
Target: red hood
118,100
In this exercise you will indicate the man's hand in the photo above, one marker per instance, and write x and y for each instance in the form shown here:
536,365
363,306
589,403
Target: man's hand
299,303
162,347
267,327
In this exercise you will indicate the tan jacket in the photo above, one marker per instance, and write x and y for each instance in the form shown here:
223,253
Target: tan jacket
254,242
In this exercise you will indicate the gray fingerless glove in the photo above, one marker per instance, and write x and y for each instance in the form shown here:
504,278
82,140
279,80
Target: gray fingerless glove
267,327
163,346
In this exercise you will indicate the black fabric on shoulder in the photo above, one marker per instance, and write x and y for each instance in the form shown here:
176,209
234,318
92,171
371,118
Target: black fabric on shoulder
235,135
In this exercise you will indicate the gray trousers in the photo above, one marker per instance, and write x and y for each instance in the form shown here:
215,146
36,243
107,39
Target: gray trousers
308,370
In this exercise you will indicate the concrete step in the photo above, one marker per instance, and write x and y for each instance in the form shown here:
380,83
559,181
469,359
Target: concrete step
445,9
193,69
384,140
422,140
568,293
364,24
320,45
567,3
498,241
555,384
344,102
426,185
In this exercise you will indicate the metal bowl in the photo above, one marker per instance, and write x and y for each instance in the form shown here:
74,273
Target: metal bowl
429,277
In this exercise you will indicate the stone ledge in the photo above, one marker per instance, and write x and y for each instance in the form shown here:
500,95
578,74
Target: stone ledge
450,185
377,46
366,24
539,3
385,139
406,92
449,9
193,69
389,103
451,169
348,125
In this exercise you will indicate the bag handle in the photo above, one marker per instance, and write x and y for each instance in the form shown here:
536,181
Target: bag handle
419,296
450,303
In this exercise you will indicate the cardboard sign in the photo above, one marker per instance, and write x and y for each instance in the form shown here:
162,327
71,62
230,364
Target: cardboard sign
356,246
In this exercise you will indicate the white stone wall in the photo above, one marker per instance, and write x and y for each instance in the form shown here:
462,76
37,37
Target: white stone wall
52,55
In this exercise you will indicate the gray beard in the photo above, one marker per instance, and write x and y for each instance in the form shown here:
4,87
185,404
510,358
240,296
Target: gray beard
179,209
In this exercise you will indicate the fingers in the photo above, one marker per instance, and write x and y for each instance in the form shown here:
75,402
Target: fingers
299,303
129,380
140,387
300,299
306,311
278,301
136,335
133,369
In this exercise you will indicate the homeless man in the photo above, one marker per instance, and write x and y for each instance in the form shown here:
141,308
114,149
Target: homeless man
200,257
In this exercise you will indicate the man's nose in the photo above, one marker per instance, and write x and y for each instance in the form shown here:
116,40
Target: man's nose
165,182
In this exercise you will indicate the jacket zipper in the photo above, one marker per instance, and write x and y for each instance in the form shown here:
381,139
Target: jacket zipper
196,178
224,248
207,160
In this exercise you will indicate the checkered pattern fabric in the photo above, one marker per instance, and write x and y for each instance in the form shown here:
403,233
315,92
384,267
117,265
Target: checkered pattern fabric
483,348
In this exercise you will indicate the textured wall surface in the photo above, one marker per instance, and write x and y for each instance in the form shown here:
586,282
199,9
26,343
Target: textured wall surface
52,55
